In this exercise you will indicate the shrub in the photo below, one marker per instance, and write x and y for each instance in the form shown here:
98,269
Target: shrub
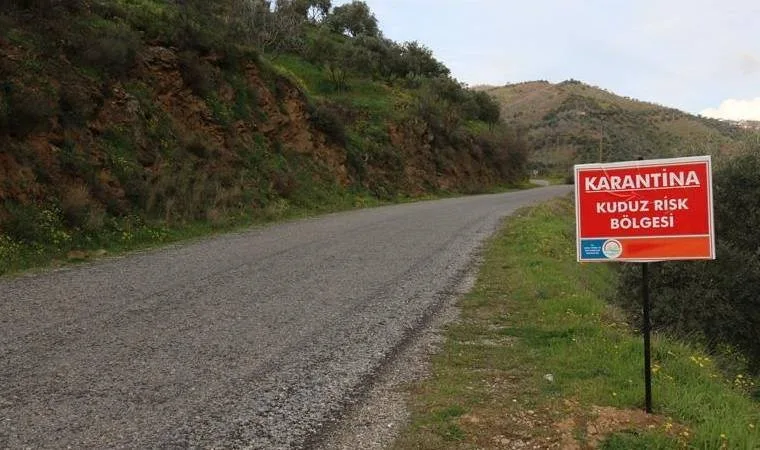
46,7
715,300
75,202
24,111
4,113
199,75
284,183
737,202
246,98
488,109
108,46
79,210
509,155
35,225
75,104
196,145
327,118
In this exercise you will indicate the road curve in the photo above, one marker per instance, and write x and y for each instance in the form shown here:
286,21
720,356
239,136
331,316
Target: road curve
254,339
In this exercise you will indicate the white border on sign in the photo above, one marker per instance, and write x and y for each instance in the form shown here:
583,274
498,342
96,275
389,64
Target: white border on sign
646,162
577,168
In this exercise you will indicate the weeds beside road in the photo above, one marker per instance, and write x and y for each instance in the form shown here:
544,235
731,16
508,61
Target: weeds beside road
540,360
133,233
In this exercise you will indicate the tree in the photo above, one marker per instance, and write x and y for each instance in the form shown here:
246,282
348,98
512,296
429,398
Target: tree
353,19
199,25
312,10
418,61
272,31
488,109
327,50
374,55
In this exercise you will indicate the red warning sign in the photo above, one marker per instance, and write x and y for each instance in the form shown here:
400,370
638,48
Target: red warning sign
653,210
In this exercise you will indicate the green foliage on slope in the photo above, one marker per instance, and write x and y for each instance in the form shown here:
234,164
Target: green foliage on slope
121,120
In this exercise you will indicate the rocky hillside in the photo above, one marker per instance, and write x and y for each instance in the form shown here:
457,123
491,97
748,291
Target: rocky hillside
571,122
121,119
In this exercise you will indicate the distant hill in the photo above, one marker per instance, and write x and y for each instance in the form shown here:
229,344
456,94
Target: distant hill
572,122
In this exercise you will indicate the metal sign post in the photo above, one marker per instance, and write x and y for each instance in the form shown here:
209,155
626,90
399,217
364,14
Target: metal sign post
646,329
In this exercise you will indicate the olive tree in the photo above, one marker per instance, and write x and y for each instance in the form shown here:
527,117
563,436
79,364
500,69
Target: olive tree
353,19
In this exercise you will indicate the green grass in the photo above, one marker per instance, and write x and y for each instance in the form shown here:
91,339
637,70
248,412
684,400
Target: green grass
308,77
133,233
540,357
372,98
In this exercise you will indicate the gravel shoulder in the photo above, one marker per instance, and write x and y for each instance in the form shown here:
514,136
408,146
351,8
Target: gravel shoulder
375,421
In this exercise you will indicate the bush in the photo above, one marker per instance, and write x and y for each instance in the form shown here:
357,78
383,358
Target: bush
76,105
506,152
35,225
737,202
199,75
108,46
46,7
487,108
79,210
4,113
327,118
715,300
23,111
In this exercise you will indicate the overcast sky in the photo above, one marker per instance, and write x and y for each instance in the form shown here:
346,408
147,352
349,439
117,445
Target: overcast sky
701,56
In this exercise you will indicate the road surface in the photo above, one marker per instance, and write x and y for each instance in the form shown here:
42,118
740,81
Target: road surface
255,339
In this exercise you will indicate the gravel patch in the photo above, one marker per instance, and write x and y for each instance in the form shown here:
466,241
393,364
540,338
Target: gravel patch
378,418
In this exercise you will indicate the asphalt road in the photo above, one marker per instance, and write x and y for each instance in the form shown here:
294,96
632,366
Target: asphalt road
255,339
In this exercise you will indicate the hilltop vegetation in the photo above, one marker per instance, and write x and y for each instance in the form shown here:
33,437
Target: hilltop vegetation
122,121
571,122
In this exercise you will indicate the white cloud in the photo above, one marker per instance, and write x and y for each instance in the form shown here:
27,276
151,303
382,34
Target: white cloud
733,109
687,54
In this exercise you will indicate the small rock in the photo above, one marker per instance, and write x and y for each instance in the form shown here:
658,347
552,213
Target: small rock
76,255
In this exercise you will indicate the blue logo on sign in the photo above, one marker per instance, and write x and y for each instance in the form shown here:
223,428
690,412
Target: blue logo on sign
592,249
